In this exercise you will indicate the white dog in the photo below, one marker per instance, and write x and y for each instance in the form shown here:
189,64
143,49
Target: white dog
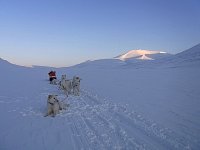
76,85
63,77
53,106
67,86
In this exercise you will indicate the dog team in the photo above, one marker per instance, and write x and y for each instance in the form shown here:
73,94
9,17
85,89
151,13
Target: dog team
68,86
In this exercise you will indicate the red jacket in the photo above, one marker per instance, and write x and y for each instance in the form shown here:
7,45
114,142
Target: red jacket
52,74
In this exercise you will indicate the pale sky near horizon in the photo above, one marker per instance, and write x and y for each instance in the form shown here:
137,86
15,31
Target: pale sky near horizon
66,32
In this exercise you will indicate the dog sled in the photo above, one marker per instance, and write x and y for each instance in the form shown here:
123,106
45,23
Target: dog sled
69,86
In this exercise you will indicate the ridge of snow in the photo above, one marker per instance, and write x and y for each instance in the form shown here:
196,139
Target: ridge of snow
191,53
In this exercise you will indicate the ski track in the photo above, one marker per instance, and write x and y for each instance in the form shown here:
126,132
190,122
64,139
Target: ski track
100,124
96,123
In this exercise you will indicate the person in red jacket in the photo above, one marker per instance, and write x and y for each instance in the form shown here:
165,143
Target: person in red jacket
52,75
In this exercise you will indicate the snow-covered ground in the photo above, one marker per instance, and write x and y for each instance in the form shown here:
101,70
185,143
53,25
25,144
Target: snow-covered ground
121,106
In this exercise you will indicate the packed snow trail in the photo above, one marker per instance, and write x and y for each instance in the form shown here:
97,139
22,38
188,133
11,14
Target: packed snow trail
96,123
90,122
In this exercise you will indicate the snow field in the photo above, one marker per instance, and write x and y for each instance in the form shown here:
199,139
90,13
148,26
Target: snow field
90,122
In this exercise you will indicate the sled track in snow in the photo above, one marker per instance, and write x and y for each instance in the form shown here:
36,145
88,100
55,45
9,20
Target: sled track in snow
98,124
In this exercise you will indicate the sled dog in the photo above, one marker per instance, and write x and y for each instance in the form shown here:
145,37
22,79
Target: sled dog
76,85
53,106
67,86
63,77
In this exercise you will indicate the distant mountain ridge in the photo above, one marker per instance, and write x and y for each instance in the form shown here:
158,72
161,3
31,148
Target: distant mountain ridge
189,57
5,63
149,58
190,54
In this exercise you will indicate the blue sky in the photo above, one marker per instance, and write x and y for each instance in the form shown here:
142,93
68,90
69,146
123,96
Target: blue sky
66,32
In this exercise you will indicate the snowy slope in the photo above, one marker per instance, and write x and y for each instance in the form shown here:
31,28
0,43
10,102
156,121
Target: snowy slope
5,65
190,54
134,58
101,63
187,58
119,108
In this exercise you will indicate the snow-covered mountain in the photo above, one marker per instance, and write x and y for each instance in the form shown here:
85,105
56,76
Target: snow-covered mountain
101,63
142,55
7,66
191,54
118,107
134,58
147,58
5,63
189,57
